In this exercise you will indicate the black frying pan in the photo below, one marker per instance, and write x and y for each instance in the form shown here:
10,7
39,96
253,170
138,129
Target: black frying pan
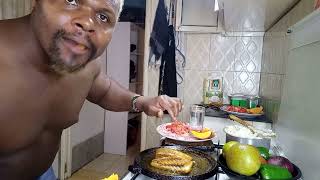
205,166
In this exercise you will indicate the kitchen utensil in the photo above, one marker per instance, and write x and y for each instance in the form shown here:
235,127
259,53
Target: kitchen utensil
196,117
204,167
240,121
260,132
161,129
222,163
242,115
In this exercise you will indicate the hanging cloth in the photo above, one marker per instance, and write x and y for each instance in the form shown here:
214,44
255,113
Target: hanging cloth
168,70
159,36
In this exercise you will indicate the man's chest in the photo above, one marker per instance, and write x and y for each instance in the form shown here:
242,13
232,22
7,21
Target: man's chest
50,102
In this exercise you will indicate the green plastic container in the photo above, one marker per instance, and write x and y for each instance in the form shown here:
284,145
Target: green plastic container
239,100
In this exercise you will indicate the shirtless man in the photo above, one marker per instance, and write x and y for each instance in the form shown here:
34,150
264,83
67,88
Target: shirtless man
47,71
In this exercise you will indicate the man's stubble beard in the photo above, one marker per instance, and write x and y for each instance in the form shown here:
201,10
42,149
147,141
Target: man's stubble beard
55,61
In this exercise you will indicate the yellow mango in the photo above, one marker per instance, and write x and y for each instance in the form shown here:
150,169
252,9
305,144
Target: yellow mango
204,134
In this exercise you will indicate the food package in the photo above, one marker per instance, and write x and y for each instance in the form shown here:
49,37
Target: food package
212,91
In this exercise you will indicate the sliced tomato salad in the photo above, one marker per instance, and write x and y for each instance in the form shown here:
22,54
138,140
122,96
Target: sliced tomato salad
237,109
178,127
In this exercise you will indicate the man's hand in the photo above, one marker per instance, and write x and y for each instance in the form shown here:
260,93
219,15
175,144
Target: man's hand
156,105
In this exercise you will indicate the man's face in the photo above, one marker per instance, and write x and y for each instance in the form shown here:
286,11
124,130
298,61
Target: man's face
74,32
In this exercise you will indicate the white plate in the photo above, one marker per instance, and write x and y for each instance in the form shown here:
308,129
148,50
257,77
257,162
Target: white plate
245,115
185,137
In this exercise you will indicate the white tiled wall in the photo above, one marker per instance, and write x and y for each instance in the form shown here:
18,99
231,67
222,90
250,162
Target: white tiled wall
236,59
198,51
275,51
222,53
248,54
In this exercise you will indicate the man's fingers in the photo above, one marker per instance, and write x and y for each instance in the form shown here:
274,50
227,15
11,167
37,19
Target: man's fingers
164,103
179,103
160,114
175,105
155,111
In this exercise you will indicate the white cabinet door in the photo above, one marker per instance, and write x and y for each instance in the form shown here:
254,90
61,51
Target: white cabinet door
198,16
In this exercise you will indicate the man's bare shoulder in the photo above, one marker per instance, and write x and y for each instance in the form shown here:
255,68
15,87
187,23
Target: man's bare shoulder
7,36
7,29
94,67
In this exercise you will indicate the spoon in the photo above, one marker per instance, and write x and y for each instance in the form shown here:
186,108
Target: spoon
260,132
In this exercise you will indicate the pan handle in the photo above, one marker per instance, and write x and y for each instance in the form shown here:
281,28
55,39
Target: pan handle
136,170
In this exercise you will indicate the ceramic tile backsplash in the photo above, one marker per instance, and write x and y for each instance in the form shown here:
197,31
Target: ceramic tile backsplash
248,54
192,88
198,51
222,53
214,56
246,83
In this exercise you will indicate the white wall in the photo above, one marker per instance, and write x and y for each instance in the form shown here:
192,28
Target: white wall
91,121
275,57
292,77
118,61
298,124
90,124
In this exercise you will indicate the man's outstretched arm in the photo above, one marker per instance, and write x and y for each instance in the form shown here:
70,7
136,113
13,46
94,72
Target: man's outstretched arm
112,96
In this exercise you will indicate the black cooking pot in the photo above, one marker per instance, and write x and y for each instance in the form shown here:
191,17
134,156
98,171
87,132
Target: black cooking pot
205,166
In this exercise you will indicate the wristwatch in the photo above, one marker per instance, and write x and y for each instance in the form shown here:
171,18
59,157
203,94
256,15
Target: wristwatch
133,104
